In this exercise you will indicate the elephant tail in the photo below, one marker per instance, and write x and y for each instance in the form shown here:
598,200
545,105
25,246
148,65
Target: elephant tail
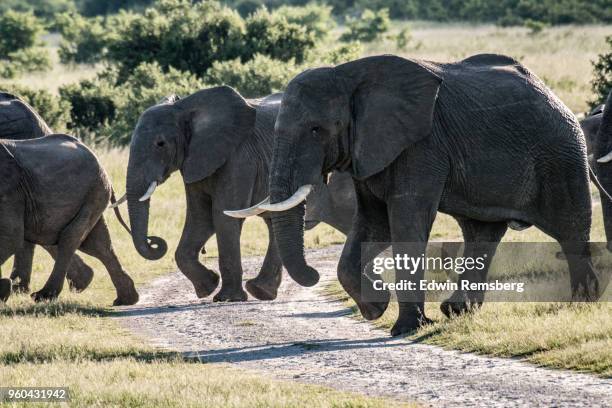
595,181
118,213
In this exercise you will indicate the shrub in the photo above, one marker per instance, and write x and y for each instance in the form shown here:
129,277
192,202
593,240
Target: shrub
52,109
403,38
83,40
260,76
35,59
315,18
368,27
45,9
18,31
535,27
273,35
602,82
342,53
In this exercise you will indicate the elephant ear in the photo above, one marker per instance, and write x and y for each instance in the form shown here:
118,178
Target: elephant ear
220,119
10,172
392,108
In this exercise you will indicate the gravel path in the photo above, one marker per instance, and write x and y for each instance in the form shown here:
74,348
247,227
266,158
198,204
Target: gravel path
306,337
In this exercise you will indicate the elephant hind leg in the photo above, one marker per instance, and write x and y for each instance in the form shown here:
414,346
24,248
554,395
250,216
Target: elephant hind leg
79,274
22,268
98,244
583,280
480,238
265,285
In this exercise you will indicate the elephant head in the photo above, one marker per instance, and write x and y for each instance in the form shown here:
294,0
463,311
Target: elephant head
195,135
358,116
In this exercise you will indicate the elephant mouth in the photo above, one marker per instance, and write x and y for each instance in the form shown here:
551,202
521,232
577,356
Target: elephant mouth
296,199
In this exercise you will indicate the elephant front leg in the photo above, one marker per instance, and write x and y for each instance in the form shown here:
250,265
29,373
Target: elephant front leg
370,225
22,268
228,242
265,285
79,274
197,231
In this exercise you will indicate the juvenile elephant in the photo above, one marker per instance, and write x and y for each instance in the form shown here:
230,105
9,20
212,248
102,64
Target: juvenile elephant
481,139
53,193
222,144
18,121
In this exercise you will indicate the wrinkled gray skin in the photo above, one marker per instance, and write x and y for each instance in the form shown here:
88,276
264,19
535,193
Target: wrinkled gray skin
482,139
597,128
222,144
18,121
54,192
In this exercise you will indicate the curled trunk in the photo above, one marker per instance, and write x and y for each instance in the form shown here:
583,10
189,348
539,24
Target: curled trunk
604,170
151,248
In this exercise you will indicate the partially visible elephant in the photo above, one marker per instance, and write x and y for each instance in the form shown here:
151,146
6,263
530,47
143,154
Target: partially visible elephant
597,128
222,145
482,139
53,193
18,121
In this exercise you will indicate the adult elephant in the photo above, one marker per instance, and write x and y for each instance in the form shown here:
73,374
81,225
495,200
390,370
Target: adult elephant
481,139
597,129
222,144
18,121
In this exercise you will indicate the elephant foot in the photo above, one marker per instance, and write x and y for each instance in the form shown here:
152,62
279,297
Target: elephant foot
260,290
80,278
230,295
5,289
45,295
307,277
373,310
459,303
587,290
127,295
409,324
205,286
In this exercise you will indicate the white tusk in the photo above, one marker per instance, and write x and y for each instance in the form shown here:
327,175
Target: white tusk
120,201
247,212
590,157
605,159
295,199
149,192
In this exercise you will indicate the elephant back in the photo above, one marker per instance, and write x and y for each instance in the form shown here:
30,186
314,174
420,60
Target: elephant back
19,121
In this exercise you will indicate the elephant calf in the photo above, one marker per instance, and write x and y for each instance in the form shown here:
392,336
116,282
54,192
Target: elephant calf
222,144
53,193
18,121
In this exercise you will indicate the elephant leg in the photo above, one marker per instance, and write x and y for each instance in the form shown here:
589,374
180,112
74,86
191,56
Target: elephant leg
480,238
5,283
583,280
79,274
265,285
197,230
69,240
98,244
228,242
369,225
22,268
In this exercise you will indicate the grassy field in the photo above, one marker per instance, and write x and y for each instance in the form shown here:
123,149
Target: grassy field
74,341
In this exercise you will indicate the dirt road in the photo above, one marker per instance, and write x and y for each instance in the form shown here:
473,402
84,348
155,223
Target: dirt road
304,337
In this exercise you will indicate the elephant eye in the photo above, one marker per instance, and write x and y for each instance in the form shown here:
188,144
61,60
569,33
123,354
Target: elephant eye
314,130
160,143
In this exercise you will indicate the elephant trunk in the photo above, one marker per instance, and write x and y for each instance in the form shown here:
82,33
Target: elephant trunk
288,225
149,247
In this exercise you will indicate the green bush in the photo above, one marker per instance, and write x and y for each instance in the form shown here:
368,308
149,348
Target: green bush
602,82
260,76
273,35
18,31
83,40
52,109
315,18
45,9
368,27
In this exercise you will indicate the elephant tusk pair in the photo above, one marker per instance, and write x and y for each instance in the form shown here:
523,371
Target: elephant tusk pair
605,159
297,197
